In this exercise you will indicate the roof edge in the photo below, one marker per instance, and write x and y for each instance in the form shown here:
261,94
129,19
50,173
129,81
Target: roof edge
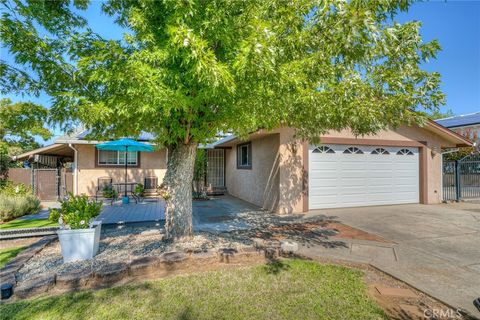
464,142
38,150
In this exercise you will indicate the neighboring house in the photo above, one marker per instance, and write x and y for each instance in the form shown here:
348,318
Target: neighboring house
88,165
278,172
468,125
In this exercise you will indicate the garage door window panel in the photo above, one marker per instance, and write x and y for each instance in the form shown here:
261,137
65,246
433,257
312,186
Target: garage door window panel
380,151
405,152
323,149
353,150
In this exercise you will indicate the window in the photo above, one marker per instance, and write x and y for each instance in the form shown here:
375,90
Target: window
323,149
405,152
353,150
380,151
244,156
116,158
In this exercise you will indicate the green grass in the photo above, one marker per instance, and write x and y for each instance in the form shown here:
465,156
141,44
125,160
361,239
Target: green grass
294,289
8,254
34,223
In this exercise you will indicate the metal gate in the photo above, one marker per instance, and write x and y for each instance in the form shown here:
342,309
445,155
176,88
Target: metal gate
216,169
46,184
461,178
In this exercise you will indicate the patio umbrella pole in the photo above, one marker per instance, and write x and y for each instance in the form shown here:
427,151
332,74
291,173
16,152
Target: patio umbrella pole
126,177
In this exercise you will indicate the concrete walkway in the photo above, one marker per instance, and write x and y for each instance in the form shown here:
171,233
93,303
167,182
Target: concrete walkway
435,249
221,214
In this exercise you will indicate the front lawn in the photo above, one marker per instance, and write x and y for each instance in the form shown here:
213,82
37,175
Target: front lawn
33,223
294,289
8,254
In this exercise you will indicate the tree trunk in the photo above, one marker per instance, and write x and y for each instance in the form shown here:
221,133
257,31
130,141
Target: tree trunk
178,186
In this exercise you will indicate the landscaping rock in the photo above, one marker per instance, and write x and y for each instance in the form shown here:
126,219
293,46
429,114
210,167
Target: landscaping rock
251,250
74,280
7,270
259,243
204,254
272,244
173,256
124,245
8,278
145,266
271,253
35,286
110,274
287,246
226,254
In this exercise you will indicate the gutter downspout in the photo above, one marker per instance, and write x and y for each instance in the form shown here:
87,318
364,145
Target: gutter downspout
75,169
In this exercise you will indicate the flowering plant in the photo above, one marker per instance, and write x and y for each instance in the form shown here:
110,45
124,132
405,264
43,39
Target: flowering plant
77,212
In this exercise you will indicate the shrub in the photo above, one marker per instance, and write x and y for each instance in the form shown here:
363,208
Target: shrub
11,189
78,212
139,190
13,206
109,192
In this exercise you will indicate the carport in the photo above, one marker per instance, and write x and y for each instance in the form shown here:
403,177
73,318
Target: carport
47,170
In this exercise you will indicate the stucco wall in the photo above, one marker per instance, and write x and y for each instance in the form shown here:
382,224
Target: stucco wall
258,185
151,164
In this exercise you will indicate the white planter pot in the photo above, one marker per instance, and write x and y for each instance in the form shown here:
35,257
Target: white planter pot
79,244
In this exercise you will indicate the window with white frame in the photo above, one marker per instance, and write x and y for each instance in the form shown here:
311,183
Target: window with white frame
107,157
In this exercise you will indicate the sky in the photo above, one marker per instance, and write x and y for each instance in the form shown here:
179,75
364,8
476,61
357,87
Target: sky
455,24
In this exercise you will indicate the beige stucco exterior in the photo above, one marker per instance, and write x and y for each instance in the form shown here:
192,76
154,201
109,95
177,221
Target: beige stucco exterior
151,164
280,164
260,184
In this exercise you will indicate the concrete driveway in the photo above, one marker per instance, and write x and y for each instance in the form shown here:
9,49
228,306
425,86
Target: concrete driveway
435,248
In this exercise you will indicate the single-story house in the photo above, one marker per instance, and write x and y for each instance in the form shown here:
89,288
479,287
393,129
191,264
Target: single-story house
276,171
468,125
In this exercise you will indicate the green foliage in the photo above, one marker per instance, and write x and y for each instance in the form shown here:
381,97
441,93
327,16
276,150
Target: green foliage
8,254
187,70
109,192
78,212
199,172
20,123
200,166
9,188
139,190
439,114
462,153
13,206
22,120
4,164
30,223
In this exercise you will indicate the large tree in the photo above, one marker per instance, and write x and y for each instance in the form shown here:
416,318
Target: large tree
187,69
20,124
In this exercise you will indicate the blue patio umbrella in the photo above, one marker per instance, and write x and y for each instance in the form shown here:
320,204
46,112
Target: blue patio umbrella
125,145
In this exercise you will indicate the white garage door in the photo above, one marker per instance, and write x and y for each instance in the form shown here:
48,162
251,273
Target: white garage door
353,176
